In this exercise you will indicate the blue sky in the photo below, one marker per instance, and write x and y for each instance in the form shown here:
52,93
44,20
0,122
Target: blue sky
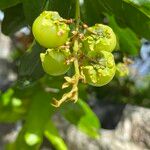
1,15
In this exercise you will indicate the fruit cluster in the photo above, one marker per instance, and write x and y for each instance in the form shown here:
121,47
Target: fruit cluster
89,48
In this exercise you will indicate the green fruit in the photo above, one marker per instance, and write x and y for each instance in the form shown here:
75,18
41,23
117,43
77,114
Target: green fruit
99,38
54,61
50,30
99,68
122,70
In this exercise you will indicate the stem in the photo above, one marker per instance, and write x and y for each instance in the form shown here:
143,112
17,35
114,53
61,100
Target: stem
73,94
76,44
77,15
30,47
75,50
45,5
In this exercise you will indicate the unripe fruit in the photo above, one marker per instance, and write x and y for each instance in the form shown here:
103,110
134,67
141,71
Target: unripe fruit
99,38
99,69
54,61
50,30
121,70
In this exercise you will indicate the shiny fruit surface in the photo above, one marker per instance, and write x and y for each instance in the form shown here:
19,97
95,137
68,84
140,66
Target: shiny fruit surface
49,30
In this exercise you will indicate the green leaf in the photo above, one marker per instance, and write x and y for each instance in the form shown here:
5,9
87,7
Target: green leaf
32,8
126,14
11,107
53,136
83,117
38,115
90,14
89,123
40,111
142,5
20,143
30,64
8,3
66,8
13,20
6,97
72,112
128,40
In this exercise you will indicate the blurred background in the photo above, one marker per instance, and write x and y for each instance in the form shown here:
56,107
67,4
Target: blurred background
121,107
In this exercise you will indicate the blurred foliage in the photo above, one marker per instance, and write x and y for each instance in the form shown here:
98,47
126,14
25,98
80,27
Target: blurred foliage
31,104
124,91
28,100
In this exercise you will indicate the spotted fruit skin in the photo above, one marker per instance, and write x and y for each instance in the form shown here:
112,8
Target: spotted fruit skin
54,62
49,30
99,38
101,72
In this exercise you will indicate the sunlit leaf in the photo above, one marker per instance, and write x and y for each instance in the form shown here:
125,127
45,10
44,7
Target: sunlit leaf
142,5
83,117
53,136
128,40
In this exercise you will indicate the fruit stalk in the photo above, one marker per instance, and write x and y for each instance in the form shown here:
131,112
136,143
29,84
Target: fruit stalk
77,15
73,94
76,44
76,49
